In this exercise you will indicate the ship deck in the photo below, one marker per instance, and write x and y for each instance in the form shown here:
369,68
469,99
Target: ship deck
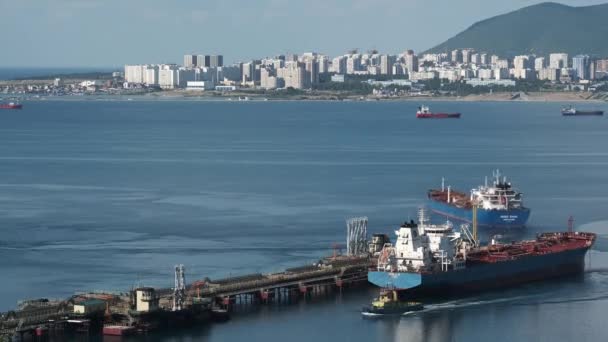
546,243
458,199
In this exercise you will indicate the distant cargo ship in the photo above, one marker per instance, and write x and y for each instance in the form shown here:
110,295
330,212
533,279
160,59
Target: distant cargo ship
425,113
571,111
436,260
499,205
11,105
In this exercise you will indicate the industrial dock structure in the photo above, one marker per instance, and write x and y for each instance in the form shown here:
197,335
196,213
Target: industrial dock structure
146,309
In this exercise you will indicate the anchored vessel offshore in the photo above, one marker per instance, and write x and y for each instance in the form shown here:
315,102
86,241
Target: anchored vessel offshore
499,205
425,113
571,111
435,259
11,105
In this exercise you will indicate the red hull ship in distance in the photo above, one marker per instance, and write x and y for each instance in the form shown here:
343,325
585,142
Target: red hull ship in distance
11,105
425,113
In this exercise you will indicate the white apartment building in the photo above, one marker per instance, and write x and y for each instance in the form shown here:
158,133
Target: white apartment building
539,63
353,64
134,73
167,76
558,60
293,74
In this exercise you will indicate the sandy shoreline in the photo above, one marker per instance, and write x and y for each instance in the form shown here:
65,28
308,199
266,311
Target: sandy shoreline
180,95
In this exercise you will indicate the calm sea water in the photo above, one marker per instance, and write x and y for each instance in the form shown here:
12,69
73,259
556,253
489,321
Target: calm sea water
111,194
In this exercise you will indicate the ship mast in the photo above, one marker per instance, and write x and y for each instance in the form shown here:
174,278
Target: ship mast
475,223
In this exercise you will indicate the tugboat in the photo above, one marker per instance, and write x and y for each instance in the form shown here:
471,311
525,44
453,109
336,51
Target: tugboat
11,105
388,303
425,113
571,111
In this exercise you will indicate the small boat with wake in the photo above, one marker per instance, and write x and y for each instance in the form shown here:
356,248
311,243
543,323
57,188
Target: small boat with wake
389,304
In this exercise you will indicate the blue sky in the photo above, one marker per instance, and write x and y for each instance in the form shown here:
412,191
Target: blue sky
115,32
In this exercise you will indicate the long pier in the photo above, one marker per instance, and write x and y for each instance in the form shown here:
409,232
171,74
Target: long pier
38,318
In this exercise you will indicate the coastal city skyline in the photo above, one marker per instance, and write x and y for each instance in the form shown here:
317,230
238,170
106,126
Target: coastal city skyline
206,72
355,73
164,31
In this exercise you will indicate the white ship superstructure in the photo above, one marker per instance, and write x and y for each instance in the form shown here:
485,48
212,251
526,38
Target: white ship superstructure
500,196
423,247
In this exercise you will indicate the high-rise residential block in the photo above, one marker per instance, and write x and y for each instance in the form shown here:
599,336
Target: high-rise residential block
151,75
411,62
167,76
581,65
338,65
539,63
268,78
293,74
323,64
386,65
483,59
312,72
549,74
190,61
475,59
466,55
456,56
134,73
521,62
206,62
353,64
216,61
248,72
558,60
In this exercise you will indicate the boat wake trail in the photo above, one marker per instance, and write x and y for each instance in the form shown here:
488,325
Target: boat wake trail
597,270
561,295
565,301
468,303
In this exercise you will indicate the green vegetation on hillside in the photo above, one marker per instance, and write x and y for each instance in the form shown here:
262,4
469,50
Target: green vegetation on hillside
540,29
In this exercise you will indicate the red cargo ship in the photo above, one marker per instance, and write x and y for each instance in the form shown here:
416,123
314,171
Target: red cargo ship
11,105
425,113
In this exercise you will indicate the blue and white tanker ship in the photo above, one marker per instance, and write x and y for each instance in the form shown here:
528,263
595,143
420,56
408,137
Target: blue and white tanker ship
498,206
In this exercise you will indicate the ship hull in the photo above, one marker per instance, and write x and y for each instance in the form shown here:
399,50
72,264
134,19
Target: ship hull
438,115
11,106
514,218
583,113
485,276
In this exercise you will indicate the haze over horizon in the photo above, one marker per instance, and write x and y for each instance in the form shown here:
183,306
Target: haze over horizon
104,33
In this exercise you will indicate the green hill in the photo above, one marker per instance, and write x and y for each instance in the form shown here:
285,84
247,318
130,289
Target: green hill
538,29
